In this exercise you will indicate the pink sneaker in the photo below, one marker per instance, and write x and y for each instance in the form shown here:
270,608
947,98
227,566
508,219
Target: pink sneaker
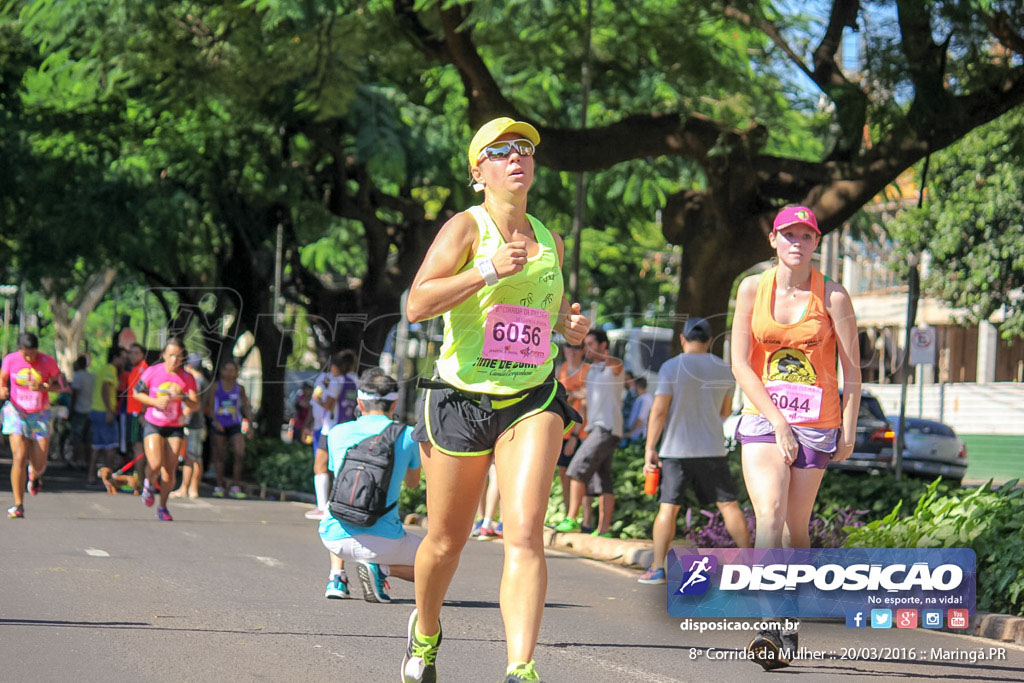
315,513
147,496
35,486
163,515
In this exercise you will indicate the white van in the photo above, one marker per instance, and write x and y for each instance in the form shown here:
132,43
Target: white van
642,349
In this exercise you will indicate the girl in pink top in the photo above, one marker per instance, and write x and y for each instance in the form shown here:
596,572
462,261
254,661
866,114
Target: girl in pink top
170,396
26,379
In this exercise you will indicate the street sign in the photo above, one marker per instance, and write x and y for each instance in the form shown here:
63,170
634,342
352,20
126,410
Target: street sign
922,346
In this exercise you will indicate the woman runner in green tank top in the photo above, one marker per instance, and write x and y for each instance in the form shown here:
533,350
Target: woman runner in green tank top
494,273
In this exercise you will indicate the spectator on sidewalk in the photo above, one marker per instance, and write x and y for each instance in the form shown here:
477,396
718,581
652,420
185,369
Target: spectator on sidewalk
227,405
302,423
592,463
384,548
636,424
137,361
694,395
327,390
573,375
103,415
195,433
81,404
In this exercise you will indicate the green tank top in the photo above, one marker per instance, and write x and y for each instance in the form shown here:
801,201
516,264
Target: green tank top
512,319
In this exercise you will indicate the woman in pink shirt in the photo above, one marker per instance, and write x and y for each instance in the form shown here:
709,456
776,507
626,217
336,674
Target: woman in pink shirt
26,379
170,394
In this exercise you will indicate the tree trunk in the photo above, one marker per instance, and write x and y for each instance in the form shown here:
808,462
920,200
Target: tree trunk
274,348
718,244
69,326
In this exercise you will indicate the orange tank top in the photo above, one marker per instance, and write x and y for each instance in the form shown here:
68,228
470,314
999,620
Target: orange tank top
797,362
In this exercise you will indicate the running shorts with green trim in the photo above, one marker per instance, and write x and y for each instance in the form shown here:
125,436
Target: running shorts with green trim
29,425
455,423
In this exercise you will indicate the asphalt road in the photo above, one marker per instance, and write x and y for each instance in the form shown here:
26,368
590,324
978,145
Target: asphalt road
94,588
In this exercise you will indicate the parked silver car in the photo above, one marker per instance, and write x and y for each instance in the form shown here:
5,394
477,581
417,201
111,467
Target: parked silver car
932,449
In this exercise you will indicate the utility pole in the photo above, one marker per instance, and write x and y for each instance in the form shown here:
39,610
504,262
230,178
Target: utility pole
913,293
278,265
579,214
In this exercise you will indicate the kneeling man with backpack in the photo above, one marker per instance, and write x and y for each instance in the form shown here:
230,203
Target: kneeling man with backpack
370,458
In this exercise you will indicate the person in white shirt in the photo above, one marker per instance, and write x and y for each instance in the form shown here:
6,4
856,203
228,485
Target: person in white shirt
326,391
593,461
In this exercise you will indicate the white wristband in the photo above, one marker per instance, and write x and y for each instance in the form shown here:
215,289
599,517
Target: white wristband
486,268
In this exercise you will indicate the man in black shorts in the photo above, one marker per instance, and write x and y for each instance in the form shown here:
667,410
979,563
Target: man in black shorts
694,394
590,471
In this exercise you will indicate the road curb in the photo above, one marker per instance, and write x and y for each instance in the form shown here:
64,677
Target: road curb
638,553
1005,628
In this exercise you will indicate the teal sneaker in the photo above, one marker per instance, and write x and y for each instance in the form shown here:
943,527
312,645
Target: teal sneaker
521,672
375,584
337,589
568,525
418,663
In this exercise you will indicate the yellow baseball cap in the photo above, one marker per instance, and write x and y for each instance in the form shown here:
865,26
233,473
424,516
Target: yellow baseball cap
494,129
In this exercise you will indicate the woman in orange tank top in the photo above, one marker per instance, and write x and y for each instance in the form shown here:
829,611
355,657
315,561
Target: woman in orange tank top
789,326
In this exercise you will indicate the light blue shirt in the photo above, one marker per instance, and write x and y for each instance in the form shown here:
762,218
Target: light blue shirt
407,457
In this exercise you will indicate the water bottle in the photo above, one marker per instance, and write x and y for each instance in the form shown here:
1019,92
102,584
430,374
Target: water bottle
651,480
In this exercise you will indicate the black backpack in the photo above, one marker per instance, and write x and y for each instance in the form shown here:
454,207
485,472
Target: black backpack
360,493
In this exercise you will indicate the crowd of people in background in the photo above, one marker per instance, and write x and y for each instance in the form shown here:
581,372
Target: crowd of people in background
125,417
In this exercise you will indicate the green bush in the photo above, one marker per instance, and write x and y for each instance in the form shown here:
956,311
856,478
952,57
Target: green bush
875,494
634,510
842,495
991,522
278,465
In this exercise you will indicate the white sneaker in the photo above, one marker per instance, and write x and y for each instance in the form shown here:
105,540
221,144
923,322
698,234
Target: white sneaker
316,513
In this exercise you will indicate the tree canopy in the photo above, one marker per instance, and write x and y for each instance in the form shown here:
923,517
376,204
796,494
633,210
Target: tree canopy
972,224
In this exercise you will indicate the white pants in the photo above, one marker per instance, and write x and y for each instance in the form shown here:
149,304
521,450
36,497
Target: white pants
367,548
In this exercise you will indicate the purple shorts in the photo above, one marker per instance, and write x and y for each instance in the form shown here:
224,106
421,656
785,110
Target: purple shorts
806,458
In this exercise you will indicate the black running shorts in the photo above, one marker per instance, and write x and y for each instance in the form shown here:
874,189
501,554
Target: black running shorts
710,478
459,424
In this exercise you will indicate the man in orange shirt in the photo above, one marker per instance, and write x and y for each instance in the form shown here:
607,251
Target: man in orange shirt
573,376
137,358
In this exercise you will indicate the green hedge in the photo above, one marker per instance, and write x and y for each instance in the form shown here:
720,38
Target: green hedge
279,465
990,521
290,467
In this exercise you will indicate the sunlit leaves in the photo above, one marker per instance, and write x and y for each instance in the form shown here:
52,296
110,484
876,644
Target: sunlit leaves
973,224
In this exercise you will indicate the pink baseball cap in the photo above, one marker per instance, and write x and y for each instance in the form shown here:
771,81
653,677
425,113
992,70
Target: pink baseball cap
795,215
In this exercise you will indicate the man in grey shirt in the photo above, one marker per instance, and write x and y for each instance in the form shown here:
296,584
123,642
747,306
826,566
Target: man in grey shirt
81,403
694,394
592,463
